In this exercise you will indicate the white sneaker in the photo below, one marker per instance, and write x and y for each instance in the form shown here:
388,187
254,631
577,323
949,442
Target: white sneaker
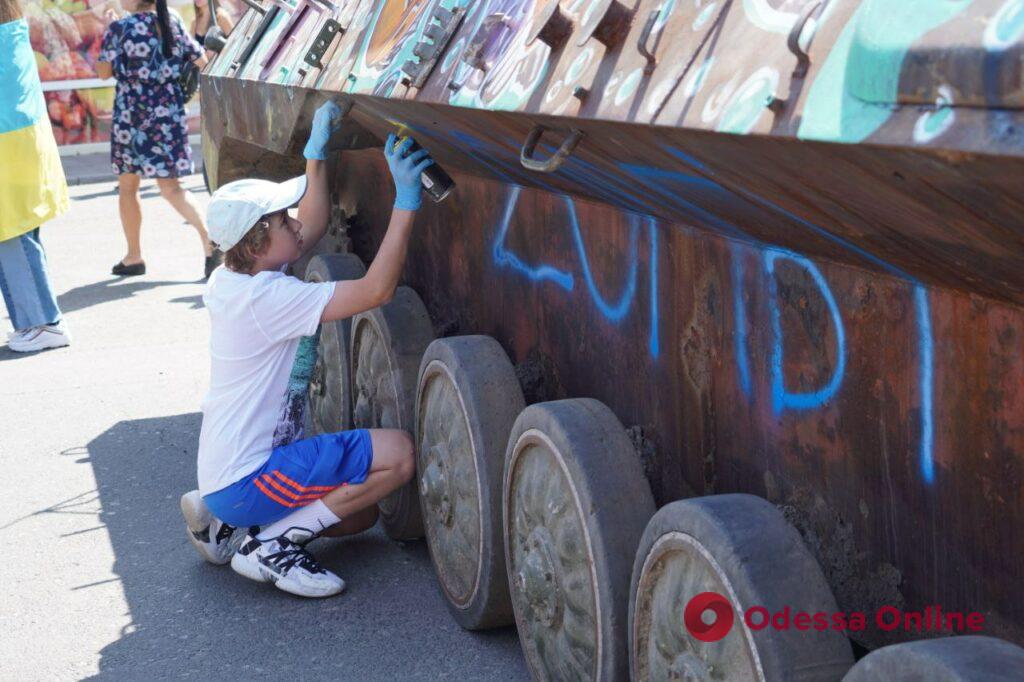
39,338
215,540
285,562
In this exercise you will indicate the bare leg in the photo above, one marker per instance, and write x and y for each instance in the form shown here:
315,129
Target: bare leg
186,206
393,466
131,215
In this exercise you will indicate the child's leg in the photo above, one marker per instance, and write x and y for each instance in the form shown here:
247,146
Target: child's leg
351,507
355,468
393,466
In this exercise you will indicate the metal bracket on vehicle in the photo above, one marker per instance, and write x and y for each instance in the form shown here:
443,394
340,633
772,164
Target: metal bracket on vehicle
436,36
254,39
608,23
803,60
556,160
323,40
488,33
645,37
256,6
215,40
551,26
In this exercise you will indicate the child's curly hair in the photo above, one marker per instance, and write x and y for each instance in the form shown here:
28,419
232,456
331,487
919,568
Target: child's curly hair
242,256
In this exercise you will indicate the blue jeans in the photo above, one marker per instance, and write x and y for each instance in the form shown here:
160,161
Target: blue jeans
24,283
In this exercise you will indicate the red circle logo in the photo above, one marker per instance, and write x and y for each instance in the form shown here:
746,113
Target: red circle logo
698,606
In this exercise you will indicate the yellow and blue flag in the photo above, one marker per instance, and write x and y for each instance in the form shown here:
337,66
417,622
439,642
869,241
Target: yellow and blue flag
32,185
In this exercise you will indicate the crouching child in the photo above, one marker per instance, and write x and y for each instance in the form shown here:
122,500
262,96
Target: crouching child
255,470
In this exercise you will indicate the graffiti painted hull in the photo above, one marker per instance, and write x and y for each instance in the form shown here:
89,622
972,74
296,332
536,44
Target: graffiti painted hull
835,327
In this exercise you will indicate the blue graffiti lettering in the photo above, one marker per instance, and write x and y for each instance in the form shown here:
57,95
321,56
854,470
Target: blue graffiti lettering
615,312
654,343
503,256
921,305
740,315
781,398
925,352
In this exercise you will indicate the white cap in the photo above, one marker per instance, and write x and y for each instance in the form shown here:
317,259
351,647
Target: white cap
235,208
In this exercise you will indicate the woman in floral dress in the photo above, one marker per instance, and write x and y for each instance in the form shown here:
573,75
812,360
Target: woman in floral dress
146,51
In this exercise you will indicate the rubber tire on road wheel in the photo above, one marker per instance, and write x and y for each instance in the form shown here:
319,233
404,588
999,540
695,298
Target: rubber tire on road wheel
575,506
384,393
741,547
970,658
330,392
467,401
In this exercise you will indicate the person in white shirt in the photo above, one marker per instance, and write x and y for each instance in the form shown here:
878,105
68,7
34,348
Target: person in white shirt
255,469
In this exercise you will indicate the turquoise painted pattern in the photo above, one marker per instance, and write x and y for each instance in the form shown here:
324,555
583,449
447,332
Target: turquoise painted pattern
291,424
854,93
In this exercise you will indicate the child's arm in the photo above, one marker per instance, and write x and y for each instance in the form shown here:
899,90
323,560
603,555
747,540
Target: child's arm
378,285
315,206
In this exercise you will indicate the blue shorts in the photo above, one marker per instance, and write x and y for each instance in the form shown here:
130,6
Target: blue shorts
294,476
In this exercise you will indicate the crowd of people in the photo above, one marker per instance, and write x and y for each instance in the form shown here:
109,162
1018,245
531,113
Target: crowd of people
146,49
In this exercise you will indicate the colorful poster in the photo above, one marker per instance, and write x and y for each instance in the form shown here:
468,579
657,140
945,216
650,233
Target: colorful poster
66,37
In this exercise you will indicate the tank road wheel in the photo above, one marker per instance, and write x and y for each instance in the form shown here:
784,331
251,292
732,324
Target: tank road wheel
330,400
740,547
387,344
575,505
949,659
467,402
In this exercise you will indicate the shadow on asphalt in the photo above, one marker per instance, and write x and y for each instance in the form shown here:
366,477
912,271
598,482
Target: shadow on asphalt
113,289
194,302
192,619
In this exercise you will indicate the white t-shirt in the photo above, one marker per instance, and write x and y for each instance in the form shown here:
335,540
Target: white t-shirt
262,352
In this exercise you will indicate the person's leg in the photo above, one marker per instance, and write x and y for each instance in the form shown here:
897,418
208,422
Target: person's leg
131,215
187,208
358,468
393,466
25,283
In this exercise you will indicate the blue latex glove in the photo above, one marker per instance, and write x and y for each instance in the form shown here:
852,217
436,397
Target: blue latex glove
325,120
406,171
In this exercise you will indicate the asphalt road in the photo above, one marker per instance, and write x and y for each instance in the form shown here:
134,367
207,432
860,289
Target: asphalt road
97,443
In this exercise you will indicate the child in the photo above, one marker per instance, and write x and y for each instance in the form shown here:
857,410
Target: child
255,469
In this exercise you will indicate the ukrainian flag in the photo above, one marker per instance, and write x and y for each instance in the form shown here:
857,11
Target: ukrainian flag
32,185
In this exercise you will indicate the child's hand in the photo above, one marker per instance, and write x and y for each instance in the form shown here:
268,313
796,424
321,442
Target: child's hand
325,121
406,171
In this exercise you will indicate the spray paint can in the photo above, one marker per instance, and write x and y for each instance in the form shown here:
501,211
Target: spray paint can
436,183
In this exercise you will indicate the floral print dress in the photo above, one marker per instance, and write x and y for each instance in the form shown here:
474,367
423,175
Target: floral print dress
149,133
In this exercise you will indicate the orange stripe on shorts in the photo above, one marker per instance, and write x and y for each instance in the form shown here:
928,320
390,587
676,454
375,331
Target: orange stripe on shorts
302,499
271,495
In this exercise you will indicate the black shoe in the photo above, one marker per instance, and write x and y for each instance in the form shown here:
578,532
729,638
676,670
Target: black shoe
122,270
213,261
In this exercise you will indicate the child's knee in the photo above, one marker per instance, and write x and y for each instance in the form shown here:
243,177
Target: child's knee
405,467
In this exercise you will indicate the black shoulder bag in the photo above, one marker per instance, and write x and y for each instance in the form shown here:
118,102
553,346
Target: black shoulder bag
189,79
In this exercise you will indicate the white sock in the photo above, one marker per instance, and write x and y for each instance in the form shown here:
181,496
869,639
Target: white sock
314,517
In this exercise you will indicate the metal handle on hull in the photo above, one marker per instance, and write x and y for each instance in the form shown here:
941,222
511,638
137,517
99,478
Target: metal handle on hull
645,36
803,60
556,160
255,5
